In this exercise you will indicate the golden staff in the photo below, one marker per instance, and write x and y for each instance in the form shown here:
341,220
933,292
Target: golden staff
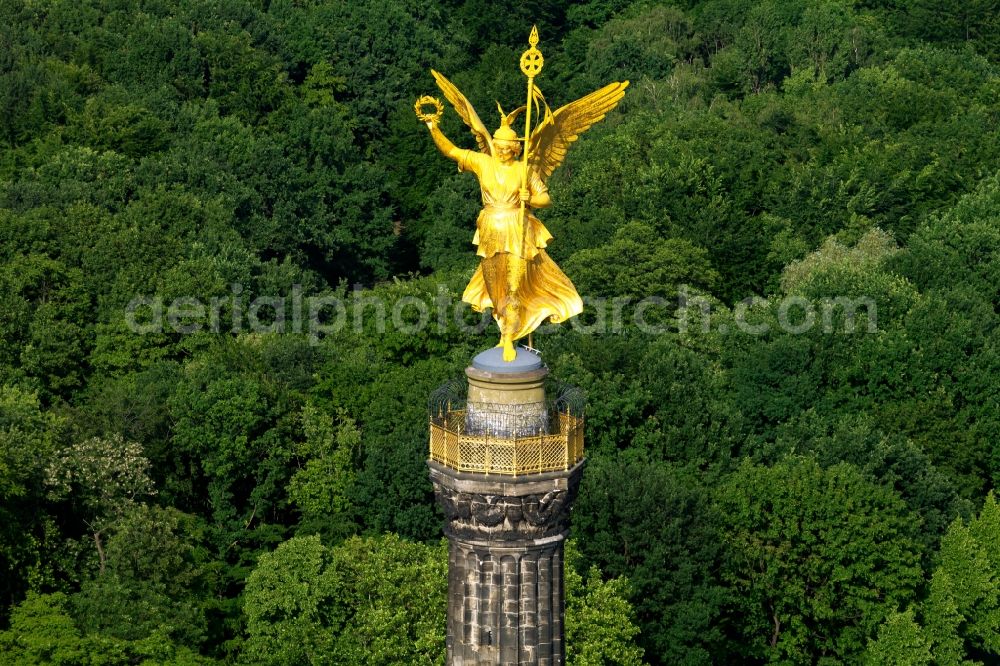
531,65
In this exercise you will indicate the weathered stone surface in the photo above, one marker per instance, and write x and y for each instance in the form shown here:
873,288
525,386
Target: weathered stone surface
505,573
505,509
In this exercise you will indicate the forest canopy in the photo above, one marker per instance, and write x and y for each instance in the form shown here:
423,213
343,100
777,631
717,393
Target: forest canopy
792,448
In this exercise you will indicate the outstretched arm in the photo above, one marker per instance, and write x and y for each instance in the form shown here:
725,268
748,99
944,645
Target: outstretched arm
449,149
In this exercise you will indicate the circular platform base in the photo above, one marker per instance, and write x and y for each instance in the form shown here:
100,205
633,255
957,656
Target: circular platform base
491,360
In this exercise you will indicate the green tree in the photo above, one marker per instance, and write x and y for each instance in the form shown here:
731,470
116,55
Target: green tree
953,258
652,523
959,620
642,43
43,633
956,24
234,431
890,458
153,582
637,263
828,40
816,558
43,335
599,623
320,488
101,479
969,575
29,437
367,601
900,643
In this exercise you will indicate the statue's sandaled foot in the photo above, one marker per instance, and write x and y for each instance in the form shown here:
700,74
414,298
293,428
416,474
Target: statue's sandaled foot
509,353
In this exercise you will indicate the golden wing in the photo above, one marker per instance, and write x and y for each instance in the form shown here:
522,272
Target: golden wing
552,137
465,110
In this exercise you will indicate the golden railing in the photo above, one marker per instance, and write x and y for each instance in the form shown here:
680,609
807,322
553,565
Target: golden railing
454,447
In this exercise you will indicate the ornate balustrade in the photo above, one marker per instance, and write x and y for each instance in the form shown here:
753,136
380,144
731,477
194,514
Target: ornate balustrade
496,451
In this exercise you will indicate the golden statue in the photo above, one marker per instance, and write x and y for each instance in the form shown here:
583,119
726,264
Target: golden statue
516,277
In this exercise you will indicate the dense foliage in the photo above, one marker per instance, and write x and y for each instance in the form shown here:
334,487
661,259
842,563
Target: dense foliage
189,476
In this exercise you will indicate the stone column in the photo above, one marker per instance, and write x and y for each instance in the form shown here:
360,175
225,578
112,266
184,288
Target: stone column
505,564
506,530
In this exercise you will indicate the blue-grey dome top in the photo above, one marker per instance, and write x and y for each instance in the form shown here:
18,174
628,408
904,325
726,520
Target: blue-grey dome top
491,360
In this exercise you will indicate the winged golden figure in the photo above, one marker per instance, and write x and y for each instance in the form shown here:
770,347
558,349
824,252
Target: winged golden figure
516,277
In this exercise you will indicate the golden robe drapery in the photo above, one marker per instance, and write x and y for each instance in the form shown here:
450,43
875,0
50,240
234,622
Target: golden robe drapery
515,269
